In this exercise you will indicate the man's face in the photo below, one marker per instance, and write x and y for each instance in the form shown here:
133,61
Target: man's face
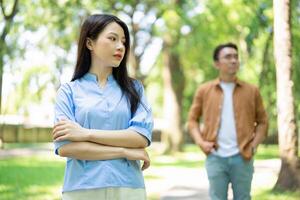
228,61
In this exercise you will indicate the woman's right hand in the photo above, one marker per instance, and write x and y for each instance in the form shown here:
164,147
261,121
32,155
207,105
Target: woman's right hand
138,154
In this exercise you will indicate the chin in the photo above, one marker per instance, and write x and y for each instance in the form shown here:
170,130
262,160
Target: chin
233,72
114,65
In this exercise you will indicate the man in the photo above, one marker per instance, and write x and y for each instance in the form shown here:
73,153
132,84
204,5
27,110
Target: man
234,123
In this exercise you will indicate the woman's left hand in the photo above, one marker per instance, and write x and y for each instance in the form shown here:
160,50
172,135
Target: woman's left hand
69,130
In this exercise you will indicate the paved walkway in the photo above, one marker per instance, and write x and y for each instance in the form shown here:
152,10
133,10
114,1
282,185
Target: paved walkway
192,184
8,153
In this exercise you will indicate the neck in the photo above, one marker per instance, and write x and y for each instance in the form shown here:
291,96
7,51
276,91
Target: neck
101,72
227,78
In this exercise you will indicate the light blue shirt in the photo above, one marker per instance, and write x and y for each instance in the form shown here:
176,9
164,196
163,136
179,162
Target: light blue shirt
93,107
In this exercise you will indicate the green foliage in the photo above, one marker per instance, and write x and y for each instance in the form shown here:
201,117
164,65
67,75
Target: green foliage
29,89
220,22
295,55
267,152
194,28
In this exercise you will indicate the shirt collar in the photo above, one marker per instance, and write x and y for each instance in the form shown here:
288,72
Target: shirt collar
237,82
92,77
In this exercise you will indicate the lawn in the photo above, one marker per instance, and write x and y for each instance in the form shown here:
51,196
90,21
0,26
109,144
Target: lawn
40,177
30,178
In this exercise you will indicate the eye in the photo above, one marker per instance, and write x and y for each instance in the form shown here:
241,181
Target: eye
112,38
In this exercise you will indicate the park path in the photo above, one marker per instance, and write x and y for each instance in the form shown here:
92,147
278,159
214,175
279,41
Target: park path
17,152
192,184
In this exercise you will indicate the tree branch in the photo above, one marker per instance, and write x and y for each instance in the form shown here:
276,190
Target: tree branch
13,11
2,9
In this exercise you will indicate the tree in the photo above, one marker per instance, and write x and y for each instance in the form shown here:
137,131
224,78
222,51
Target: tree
8,17
289,175
173,80
7,25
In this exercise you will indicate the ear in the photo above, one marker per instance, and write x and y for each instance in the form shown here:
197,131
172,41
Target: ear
216,64
89,44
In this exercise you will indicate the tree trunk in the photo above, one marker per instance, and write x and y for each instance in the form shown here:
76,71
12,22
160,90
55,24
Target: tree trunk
173,80
2,53
1,77
289,176
8,21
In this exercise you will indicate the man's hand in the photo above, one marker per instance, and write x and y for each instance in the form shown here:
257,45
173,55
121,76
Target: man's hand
207,147
138,154
69,130
253,147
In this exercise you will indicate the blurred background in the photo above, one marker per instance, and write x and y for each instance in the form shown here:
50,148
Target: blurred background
171,53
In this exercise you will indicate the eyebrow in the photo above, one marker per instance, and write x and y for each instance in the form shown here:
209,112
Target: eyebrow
231,54
116,34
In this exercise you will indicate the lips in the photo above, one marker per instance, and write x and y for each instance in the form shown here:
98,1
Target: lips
118,56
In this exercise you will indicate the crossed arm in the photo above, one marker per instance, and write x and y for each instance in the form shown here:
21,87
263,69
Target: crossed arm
91,144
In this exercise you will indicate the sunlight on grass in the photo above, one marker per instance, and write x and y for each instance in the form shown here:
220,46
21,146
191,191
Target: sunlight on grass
275,195
152,177
267,152
31,178
27,145
191,157
153,197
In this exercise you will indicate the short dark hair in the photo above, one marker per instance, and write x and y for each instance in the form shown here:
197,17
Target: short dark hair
222,46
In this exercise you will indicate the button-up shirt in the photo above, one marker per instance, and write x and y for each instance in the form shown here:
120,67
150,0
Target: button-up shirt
249,113
93,107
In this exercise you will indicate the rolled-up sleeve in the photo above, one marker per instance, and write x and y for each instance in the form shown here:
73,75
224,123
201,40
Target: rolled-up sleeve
63,109
142,120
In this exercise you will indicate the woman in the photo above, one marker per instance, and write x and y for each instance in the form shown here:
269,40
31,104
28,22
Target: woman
103,121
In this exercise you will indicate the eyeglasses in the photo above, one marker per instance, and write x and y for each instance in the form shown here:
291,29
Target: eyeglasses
230,56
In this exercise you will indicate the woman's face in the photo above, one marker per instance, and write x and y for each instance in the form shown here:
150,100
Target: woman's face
109,48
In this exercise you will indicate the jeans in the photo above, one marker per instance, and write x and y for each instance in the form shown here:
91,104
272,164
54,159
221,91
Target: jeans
235,170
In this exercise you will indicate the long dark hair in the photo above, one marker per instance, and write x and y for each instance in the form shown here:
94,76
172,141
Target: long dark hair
91,28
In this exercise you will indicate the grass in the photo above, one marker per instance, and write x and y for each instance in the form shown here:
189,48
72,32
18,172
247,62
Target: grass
183,160
275,195
40,177
27,145
267,152
191,157
30,178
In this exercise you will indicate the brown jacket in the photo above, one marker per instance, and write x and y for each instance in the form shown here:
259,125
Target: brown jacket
249,112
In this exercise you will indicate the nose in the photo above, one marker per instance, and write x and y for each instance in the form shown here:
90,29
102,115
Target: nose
120,46
233,60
